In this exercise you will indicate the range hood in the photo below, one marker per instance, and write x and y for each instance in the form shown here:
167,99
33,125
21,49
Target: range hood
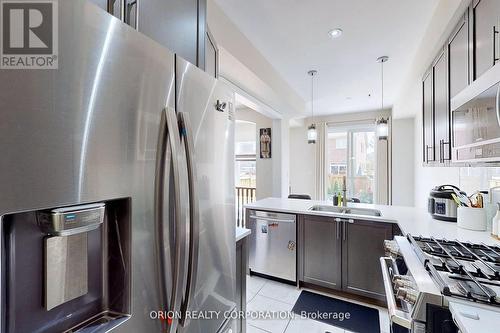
476,120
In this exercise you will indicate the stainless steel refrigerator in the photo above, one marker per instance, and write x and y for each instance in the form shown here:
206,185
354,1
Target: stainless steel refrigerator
116,186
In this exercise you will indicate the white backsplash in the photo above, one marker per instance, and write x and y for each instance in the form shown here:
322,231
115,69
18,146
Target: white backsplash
474,179
483,179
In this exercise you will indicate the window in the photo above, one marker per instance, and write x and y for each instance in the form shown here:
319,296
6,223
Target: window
245,148
245,151
351,152
245,172
338,169
341,143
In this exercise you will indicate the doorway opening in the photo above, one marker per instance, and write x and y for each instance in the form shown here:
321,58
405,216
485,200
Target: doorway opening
245,166
253,156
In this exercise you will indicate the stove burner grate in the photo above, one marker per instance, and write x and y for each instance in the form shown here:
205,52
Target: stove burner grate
471,290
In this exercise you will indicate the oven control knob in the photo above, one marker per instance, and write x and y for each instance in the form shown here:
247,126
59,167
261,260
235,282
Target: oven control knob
404,283
407,294
400,278
391,248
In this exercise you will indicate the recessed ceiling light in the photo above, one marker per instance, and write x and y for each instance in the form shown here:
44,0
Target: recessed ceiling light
335,33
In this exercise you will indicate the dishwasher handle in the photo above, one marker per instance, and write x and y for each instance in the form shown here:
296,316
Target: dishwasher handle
271,219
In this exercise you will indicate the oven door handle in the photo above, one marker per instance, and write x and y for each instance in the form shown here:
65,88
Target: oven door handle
396,316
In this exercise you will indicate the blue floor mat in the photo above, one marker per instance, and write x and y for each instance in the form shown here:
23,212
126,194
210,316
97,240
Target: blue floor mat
336,312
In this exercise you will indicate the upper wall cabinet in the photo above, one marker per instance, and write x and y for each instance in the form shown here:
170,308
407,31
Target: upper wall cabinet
428,119
179,25
211,55
103,3
441,108
486,27
176,24
449,74
458,55
436,112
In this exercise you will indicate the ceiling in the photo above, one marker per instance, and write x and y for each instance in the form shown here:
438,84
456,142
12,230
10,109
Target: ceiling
293,36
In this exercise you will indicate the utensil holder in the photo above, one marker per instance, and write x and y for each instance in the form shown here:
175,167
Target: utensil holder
471,218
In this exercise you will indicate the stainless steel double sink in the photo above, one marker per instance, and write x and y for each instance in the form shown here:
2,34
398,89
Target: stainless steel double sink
346,210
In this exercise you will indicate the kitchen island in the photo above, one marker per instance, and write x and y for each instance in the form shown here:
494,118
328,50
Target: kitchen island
341,251
408,220
411,220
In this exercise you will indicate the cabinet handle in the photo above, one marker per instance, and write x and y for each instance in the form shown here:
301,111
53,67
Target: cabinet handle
344,231
111,8
441,151
495,33
337,229
130,6
447,143
427,154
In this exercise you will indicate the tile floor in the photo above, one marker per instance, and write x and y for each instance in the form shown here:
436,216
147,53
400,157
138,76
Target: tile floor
263,295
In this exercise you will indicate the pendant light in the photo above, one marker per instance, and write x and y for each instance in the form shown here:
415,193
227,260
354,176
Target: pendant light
382,124
312,133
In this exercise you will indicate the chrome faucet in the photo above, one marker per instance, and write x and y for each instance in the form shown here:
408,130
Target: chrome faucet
344,191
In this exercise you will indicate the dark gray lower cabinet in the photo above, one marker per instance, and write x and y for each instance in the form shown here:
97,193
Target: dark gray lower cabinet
343,255
241,282
362,246
321,262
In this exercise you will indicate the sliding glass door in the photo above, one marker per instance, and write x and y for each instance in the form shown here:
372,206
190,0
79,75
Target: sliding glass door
351,154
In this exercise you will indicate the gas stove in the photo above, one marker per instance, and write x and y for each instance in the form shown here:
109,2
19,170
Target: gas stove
461,269
421,275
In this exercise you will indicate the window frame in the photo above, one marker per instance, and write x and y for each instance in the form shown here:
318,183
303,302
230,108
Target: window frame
350,129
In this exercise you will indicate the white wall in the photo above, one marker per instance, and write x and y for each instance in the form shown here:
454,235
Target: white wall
243,65
281,156
302,163
403,159
264,177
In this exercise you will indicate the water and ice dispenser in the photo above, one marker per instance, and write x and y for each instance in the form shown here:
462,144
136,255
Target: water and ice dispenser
65,253
66,269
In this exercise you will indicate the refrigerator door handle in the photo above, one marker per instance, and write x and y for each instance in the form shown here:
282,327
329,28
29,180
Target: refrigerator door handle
194,226
168,137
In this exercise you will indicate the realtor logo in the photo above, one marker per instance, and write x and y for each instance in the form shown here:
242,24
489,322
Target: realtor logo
29,36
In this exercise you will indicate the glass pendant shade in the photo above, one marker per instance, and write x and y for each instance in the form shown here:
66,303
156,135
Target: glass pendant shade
382,129
312,134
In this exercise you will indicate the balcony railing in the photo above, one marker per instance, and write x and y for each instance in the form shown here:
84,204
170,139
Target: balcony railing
244,195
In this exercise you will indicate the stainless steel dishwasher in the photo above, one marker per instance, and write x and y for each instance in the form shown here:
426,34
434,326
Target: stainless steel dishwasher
273,244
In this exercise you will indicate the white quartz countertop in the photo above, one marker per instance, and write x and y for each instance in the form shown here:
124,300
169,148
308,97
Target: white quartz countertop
242,233
474,318
414,221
